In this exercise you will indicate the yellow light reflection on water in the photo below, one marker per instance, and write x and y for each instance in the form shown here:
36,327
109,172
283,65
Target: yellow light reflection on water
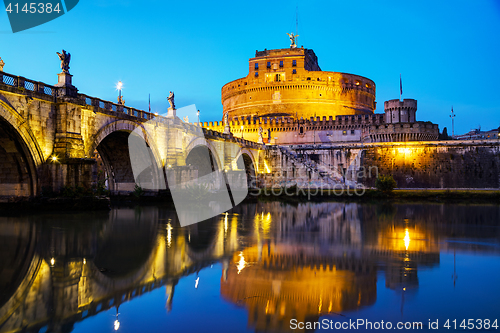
116,325
225,223
241,262
52,261
266,167
266,224
407,239
169,235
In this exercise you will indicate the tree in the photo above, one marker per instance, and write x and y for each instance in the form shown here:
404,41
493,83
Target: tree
444,135
385,183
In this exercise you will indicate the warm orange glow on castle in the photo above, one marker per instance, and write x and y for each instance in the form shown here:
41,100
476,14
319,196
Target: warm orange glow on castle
289,83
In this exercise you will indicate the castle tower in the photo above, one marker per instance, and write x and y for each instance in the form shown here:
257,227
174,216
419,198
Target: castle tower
397,111
289,83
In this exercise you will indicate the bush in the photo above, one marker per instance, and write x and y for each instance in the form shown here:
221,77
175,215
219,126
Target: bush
138,191
385,184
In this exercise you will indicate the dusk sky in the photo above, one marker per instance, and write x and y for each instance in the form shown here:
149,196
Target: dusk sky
447,52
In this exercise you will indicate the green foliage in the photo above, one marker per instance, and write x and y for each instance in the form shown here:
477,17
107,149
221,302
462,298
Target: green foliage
385,183
48,192
75,192
99,188
138,191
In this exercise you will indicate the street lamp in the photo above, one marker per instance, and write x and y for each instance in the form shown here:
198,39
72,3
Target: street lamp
452,116
119,86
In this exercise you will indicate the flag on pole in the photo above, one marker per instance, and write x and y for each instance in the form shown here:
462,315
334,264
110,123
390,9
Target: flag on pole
149,102
400,86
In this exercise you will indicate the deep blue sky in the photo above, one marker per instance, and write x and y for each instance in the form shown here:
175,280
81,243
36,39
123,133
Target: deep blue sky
448,52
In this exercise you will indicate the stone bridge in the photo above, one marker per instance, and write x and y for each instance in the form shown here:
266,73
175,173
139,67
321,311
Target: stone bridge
53,136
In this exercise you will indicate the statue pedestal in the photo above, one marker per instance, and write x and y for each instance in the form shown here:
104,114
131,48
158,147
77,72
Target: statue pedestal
171,113
64,79
227,129
66,88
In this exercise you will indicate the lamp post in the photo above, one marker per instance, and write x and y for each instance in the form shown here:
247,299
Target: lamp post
119,86
452,116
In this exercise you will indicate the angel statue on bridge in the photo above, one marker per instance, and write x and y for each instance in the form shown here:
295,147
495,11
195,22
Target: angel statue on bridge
65,58
171,100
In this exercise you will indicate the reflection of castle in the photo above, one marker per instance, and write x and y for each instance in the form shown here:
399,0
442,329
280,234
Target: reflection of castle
287,94
280,283
299,262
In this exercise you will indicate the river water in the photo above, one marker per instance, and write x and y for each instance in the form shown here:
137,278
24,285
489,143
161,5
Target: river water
266,267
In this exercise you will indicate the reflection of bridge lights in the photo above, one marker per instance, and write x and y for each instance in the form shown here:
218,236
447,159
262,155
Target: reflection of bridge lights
241,262
225,223
267,167
407,239
52,262
84,261
266,223
196,282
169,235
116,325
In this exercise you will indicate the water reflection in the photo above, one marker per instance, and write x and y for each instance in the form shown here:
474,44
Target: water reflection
279,262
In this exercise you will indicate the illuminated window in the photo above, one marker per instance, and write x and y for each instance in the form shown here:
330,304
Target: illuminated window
357,83
268,64
256,66
294,71
344,132
294,62
281,63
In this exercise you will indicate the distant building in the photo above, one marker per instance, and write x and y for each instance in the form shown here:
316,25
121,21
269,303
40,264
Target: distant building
477,134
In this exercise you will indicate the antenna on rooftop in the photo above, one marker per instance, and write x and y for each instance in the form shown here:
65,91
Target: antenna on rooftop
296,20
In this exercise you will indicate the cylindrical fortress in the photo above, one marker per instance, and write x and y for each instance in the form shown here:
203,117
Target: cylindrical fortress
397,111
289,82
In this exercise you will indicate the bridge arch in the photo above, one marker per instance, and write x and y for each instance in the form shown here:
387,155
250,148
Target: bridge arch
111,143
202,142
20,154
201,153
250,166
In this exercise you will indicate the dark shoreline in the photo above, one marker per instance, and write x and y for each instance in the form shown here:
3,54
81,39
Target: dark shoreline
292,196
